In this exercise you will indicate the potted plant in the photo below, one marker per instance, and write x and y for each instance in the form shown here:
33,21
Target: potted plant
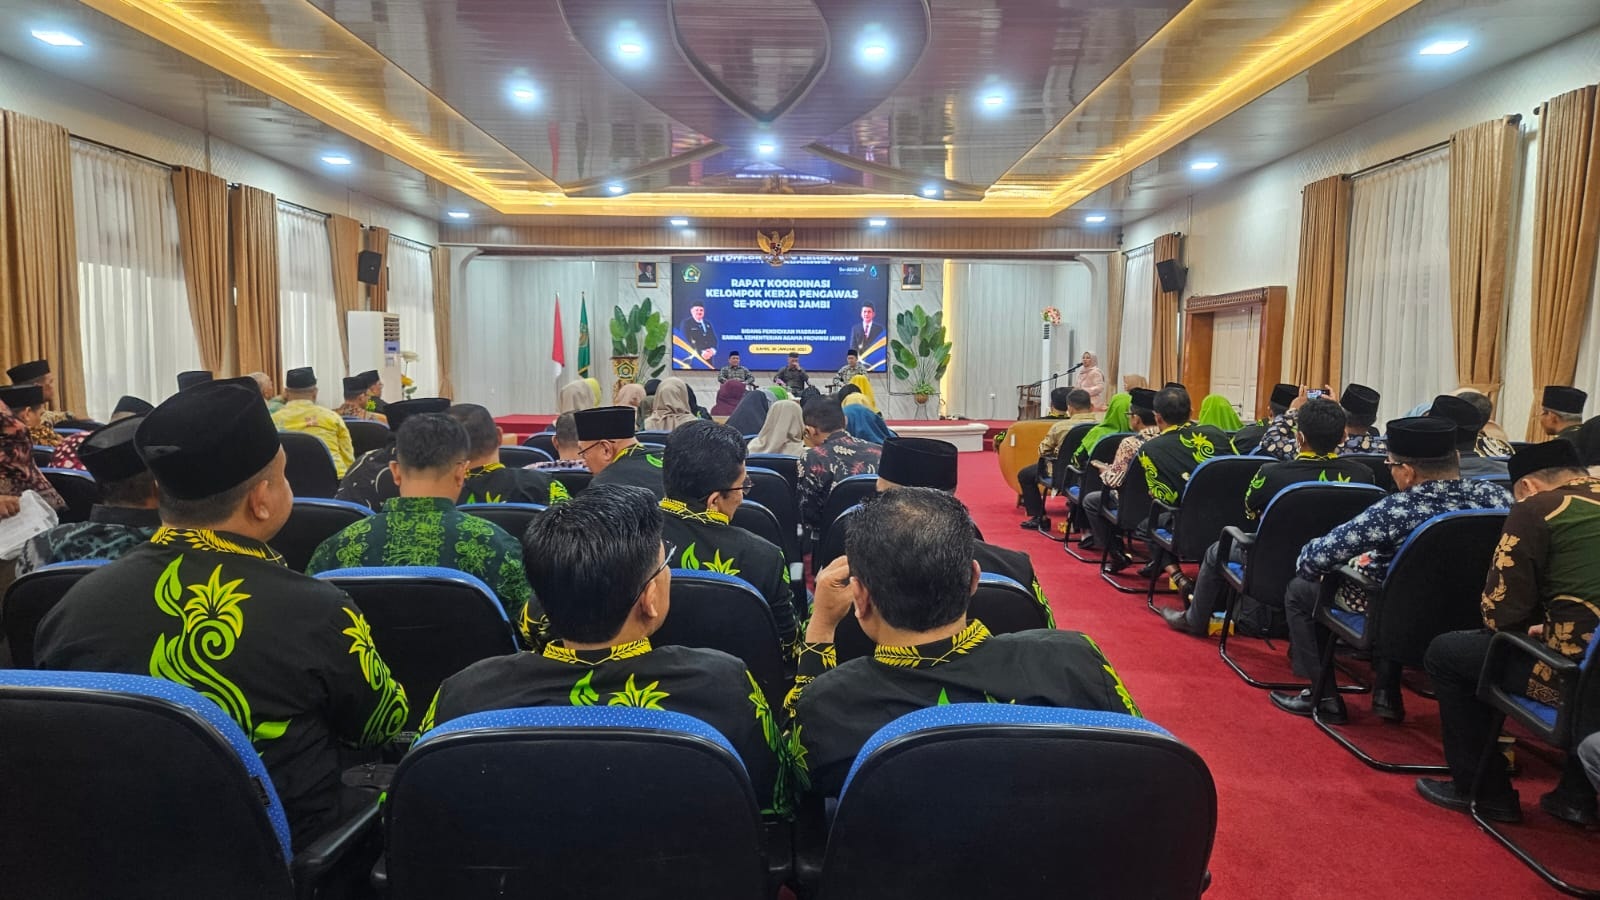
921,353
640,332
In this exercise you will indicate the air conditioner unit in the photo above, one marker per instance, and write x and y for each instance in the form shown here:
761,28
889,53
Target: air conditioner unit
375,344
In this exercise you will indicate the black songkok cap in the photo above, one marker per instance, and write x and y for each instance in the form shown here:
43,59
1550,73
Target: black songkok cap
605,423
1174,384
22,396
369,377
1562,399
300,379
919,462
1420,437
130,404
1284,394
187,380
1144,398
355,384
1556,454
1466,416
398,412
108,452
1360,400
28,371
203,441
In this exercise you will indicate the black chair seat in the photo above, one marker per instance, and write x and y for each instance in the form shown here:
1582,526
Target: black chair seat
726,613
308,465
312,521
30,598
545,441
513,456
367,435
513,518
78,489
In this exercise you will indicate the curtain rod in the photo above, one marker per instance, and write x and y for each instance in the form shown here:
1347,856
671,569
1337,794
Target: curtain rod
1513,119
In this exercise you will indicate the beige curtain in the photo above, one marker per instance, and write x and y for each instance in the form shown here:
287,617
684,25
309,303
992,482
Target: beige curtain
1111,357
1483,166
344,243
1566,235
202,200
378,242
441,317
1318,337
39,254
1164,316
253,224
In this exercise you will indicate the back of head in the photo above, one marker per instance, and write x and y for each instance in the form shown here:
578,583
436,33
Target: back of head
208,447
1282,396
355,387
567,430
589,558
912,549
1460,411
825,415
1058,399
1480,402
701,458
1078,400
1173,405
1427,445
1321,425
432,443
483,435
110,456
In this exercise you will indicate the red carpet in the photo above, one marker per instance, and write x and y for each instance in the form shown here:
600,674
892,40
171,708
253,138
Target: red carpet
1298,817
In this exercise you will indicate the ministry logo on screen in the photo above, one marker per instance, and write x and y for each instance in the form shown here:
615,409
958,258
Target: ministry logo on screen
691,274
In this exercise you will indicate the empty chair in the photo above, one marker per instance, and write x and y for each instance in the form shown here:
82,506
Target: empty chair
473,810
1002,604
1094,804
427,623
513,518
367,435
515,457
31,597
136,786
312,521
545,441
725,613
78,489
1212,499
308,465
787,466
571,479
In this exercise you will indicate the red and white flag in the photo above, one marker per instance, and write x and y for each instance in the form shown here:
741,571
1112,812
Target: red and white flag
558,353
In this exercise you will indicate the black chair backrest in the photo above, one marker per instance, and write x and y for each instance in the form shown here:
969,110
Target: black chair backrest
121,793
831,546
427,623
1000,603
30,598
1435,583
42,455
759,521
652,437
725,613
1297,515
1212,499
571,479
513,518
1378,463
787,466
1133,499
515,457
846,492
1104,450
464,821
78,489
367,435
308,465
545,441
1088,810
772,490
312,521
1064,453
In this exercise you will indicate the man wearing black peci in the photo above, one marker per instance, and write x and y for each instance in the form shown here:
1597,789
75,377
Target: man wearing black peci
606,443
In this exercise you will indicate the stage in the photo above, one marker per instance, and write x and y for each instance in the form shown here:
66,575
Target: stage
963,433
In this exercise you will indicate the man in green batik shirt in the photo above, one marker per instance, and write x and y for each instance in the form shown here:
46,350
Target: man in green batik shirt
207,604
488,480
599,562
422,526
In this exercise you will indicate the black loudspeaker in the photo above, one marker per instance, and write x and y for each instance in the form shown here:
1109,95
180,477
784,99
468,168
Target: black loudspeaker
1172,276
369,267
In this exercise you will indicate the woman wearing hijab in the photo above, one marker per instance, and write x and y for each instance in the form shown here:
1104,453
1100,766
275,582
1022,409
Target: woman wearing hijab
864,424
1091,379
574,396
694,404
729,393
751,412
632,395
1218,412
671,407
1115,422
1129,382
783,432
649,400
865,386
777,391
594,388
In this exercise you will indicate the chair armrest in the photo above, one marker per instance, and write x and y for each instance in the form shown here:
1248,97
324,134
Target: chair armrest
809,837
1348,574
779,841
313,864
1164,505
1231,535
1506,645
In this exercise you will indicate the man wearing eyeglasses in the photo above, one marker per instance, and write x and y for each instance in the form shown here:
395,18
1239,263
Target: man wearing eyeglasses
607,446
705,482
599,561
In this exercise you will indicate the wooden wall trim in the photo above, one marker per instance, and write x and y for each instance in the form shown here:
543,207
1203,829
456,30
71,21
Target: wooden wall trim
949,240
1218,302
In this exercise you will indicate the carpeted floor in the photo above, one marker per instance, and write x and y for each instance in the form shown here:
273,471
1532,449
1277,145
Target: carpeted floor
1298,817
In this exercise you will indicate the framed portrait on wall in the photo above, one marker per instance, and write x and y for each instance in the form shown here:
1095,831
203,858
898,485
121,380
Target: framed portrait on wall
645,274
911,276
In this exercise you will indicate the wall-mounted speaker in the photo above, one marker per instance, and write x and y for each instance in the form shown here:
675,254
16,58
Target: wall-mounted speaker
1172,276
369,266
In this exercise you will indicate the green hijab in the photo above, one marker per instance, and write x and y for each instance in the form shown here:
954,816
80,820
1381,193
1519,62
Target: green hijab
1116,421
1216,411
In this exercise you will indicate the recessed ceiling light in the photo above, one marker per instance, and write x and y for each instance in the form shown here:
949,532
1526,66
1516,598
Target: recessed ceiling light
630,48
993,100
56,38
930,191
766,148
614,188
1094,219
336,159
877,223
459,214
679,223
1444,48
524,94
1204,165
874,52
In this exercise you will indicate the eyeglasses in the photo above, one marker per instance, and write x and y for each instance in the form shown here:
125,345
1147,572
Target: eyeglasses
667,550
747,487
1393,464
584,450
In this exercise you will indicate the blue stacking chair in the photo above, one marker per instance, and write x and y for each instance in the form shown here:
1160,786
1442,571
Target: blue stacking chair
1433,586
1561,726
1002,604
308,465
125,785
658,438
724,612
513,518
30,598
312,521
77,488
846,492
1093,804
1212,499
515,456
367,435
1088,482
594,801
545,441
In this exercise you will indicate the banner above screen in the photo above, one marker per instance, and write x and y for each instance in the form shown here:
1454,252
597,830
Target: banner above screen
816,306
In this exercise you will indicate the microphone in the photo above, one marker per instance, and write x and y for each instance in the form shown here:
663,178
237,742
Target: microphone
1073,369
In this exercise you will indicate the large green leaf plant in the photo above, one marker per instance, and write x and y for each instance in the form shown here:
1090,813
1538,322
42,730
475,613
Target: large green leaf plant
920,350
641,331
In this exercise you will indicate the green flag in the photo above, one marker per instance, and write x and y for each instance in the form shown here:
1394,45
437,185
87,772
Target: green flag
583,337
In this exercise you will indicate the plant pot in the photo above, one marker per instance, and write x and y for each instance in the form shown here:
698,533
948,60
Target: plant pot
921,398
626,368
